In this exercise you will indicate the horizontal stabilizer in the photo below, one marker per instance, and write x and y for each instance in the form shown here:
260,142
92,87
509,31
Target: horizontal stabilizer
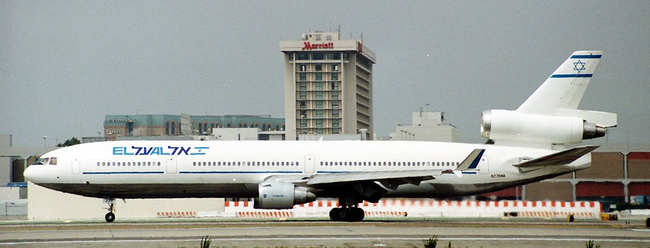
560,158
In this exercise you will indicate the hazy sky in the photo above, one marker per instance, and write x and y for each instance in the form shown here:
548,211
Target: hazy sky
64,65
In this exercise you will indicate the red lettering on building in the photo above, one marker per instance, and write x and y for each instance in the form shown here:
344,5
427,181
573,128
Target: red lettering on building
309,46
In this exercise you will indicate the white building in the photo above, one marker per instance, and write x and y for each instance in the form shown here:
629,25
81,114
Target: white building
426,126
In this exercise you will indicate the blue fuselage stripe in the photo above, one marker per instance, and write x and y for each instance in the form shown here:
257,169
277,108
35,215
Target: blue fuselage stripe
572,75
596,56
239,172
121,172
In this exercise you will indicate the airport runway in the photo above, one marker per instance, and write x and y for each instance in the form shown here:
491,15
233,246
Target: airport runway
390,233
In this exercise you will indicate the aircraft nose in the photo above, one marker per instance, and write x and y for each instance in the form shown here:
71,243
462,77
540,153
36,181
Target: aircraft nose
31,173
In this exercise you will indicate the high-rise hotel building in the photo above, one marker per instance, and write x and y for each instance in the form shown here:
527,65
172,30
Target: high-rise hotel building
328,85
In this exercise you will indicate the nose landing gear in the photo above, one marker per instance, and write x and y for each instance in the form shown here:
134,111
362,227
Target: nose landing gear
110,216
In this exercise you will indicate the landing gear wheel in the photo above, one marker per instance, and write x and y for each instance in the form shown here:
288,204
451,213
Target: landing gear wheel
347,214
357,214
334,214
110,217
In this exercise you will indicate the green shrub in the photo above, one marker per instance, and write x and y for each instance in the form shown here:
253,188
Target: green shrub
206,241
591,244
431,242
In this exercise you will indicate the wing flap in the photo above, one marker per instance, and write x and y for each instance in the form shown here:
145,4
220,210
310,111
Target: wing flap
559,158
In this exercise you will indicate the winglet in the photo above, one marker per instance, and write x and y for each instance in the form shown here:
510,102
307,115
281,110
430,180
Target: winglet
471,162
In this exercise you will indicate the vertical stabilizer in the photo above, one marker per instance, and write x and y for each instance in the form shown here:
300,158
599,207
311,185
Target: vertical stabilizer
565,87
550,116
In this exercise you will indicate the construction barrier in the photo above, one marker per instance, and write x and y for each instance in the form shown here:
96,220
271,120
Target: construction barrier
407,208
176,214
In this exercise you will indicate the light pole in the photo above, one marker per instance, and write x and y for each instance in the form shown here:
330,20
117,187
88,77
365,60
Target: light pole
44,141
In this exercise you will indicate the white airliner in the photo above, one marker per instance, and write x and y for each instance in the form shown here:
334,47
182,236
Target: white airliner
280,174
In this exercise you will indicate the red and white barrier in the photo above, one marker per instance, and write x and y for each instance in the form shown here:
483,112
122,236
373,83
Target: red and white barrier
425,208
176,214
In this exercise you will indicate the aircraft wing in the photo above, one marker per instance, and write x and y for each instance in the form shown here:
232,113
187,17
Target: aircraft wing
387,178
559,158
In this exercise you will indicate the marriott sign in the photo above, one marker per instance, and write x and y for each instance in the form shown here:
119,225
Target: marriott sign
309,46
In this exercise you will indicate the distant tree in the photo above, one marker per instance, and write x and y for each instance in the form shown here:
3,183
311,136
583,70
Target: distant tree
70,142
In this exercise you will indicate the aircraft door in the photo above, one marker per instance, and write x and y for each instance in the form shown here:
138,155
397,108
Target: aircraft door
171,164
484,165
309,164
76,165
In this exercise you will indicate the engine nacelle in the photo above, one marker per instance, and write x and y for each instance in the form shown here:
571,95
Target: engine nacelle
516,126
276,195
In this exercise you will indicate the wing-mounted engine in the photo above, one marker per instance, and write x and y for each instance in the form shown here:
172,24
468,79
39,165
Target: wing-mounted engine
281,195
504,125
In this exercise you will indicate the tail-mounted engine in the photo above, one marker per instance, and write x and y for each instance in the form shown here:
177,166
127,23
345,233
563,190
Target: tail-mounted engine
518,126
276,195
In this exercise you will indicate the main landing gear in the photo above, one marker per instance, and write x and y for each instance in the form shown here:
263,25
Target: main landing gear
347,213
110,216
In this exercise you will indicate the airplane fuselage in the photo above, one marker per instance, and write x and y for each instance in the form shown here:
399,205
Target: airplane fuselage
177,169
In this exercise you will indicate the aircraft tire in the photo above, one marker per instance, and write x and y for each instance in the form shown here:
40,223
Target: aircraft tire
334,214
357,214
110,217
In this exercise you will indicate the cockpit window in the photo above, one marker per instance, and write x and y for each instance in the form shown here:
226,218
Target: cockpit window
46,161
43,161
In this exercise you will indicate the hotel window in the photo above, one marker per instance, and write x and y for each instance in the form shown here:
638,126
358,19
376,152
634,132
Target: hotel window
303,56
166,128
319,104
335,104
335,86
319,113
335,67
303,123
335,131
318,56
336,56
319,131
302,76
335,123
303,95
319,85
335,76
302,67
319,123
319,95
319,67
319,76
335,95
335,113
303,86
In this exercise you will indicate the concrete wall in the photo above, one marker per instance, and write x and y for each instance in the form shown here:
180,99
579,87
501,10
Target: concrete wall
46,204
558,191
604,165
638,164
